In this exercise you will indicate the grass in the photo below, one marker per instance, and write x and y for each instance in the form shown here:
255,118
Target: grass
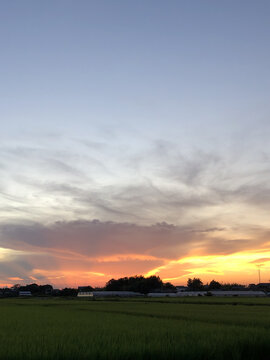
200,328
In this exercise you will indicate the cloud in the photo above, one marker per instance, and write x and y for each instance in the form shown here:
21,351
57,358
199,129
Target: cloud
100,239
114,249
201,202
214,229
157,181
261,261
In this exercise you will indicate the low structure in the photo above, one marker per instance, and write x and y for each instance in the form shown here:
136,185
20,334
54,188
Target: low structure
229,293
85,294
25,293
247,293
181,288
162,294
108,294
191,293
221,293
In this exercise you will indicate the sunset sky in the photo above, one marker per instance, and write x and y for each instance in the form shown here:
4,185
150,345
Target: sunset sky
134,139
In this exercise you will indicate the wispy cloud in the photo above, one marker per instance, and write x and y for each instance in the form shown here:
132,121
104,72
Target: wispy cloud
201,202
159,182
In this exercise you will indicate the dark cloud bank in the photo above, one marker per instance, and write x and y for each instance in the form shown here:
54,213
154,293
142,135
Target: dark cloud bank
97,238
108,247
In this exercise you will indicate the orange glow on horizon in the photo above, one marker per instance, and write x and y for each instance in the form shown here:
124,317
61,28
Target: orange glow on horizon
72,269
238,267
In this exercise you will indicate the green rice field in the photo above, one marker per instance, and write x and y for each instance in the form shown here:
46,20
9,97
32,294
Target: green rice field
186,328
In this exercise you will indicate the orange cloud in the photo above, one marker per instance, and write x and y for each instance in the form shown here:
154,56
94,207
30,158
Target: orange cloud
92,252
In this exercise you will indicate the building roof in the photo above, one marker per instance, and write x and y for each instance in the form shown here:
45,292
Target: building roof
25,293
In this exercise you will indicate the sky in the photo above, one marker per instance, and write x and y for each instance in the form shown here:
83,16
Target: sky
134,139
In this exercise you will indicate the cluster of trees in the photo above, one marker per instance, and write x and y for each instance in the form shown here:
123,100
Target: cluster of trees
139,284
196,284
38,290
35,289
134,283
67,292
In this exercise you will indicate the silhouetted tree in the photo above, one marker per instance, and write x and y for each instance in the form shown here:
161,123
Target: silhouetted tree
45,289
139,284
195,284
16,287
169,287
36,289
85,288
68,292
214,285
232,286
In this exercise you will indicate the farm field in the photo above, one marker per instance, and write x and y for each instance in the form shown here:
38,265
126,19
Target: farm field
186,328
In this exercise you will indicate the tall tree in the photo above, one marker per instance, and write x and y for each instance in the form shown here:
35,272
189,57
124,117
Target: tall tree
214,285
195,284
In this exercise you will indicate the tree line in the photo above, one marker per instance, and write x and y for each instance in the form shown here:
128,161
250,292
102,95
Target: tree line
196,284
136,283
140,284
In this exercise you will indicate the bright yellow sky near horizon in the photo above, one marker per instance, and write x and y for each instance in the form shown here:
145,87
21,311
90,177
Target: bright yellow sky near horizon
241,267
